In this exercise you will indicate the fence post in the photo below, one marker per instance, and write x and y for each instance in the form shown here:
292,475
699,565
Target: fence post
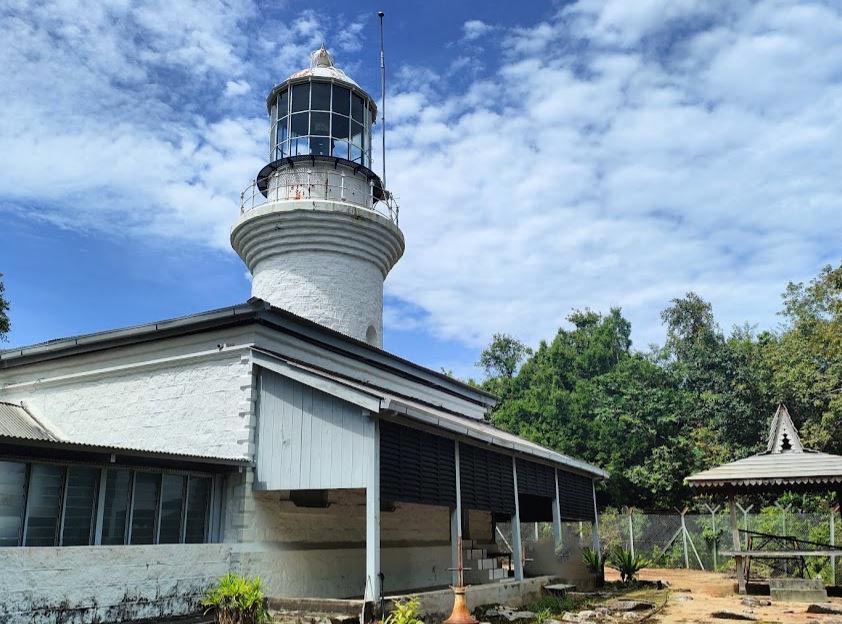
713,511
631,531
833,513
684,538
745,511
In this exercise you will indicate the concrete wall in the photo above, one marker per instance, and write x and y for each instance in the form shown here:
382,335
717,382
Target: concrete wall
181,398
310,552
82,584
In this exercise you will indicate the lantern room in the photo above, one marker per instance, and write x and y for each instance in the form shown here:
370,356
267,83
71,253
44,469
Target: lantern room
320,111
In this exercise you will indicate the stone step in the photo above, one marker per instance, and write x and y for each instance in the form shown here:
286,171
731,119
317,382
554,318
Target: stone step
298,617
475,553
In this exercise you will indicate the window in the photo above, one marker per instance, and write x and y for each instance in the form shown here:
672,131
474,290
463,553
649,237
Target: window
12,497
320,96
301,97
116,510
44,505
172,503
198,499
79,506
50,504
341,100
144,507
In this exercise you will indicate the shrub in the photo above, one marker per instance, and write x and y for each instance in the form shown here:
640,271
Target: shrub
627,564
593,559
237,600
404,612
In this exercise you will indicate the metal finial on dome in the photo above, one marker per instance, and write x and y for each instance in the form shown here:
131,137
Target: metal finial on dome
321,58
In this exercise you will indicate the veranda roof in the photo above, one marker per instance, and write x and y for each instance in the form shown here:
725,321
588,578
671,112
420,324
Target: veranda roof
785,464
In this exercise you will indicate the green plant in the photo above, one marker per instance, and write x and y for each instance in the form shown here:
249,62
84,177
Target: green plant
593,559
237,600
543,616
627,564
404,612
552,605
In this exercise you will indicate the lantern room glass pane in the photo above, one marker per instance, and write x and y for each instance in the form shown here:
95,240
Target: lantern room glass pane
320,124
80,505
283,103
198,498
356,154
357,134
357,108
320,98
299,125
45,483
116,512
145,507
340,149
340,127
341,100
320,146
172,498
300,146
12,498
300,97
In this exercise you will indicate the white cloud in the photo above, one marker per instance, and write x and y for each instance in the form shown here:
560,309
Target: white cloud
475,29
236,87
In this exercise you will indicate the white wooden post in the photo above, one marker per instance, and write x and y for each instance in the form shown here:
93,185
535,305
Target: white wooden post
456,522
631,531
373,589
557,514
517,548
597,548
735,539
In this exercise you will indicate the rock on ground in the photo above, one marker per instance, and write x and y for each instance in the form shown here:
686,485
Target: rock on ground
733,615
819,608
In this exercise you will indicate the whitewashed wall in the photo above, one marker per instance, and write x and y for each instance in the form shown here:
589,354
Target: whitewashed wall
199,404
82,584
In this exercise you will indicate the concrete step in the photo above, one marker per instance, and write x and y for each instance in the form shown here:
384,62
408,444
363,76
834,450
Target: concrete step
472,554
797,590
297,617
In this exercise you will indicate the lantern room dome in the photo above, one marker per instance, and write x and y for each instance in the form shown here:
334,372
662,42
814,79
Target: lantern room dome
322,66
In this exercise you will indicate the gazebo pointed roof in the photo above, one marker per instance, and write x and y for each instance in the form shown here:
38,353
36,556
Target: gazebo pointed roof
785,464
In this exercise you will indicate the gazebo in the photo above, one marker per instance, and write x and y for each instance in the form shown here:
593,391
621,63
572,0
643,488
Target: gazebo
785,466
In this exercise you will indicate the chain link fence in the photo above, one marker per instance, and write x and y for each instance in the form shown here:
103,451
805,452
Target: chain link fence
695,538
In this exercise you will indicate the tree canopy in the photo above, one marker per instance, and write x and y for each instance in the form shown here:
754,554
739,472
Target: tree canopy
703,398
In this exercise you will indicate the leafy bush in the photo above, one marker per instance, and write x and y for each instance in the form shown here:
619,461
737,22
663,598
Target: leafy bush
552,605
593,559
237,600
627,564
404,612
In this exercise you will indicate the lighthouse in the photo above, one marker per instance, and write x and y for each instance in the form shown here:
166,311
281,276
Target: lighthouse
317,229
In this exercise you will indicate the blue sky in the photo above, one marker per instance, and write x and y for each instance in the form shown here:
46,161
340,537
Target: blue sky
556,156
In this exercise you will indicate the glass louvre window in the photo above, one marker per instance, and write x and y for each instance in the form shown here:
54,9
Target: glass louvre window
12,498
144,507
198,497
320,96
172,504
301,97
115,513
79,505
44,505
341,100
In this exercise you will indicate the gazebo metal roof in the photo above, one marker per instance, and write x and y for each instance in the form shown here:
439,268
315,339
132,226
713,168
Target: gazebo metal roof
785,464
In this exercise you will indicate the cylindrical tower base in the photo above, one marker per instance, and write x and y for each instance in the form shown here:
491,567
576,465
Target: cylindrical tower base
323,260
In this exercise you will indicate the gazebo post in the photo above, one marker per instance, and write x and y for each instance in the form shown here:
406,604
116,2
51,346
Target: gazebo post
735,537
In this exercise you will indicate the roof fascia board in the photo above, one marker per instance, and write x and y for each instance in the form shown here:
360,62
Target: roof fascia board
368,401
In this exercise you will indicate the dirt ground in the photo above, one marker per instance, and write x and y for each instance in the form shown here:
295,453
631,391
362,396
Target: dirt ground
714,592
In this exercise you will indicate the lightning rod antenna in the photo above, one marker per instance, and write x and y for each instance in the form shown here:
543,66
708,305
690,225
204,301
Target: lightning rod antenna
382,100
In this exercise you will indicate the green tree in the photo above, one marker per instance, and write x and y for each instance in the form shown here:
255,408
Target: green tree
5,324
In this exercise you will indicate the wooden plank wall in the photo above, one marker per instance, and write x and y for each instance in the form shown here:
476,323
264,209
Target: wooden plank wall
307,439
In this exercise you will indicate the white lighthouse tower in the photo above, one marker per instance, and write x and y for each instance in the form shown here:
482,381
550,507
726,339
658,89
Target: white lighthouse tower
317,230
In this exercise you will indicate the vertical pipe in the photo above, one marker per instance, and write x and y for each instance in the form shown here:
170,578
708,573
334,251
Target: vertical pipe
735,539
833,543
373,590
715,539
456,522
382,99
517,547
556,514
631,532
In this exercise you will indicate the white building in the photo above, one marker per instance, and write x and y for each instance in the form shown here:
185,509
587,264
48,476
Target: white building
273,437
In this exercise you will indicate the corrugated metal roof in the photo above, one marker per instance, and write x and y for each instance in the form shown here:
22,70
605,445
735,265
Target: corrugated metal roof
16,422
